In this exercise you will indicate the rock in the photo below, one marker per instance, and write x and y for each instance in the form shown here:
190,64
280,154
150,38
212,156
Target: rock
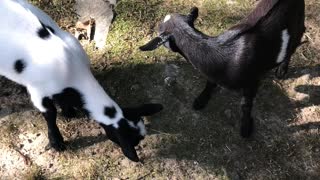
50,165
169,81
135,87
125,162
171,70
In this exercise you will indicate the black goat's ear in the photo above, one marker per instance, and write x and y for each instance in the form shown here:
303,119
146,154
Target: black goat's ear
143,110
193,15
155,43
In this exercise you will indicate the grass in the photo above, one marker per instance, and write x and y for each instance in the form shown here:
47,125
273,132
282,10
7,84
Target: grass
137,23
182,143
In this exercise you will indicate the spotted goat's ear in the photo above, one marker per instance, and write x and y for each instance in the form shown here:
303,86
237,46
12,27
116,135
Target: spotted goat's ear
116,136
156,42
128,149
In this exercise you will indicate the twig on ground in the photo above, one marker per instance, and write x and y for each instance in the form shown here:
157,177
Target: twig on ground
26,159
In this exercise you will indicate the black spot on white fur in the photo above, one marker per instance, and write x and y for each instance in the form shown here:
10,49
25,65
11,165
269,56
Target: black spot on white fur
110,111
44,31
70,99
19,66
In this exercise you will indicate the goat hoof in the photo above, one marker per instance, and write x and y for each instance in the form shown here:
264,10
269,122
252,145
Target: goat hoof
281,71
56,146
247,127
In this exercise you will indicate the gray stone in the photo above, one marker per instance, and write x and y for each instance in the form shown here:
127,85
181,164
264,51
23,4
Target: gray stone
169,81
171,70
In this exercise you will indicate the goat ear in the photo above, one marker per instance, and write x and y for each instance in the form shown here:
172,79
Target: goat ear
143,110
115,136
193,15
111,133
127,149
155,43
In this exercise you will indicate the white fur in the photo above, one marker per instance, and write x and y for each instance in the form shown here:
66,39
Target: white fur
283,51
142,128
241,47
167,45
52,64
167,18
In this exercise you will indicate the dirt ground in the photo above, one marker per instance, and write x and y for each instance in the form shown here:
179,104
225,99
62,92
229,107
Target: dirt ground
181,143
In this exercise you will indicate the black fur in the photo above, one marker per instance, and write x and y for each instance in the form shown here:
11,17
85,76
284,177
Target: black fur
54,135
258,37
110,111
70,97
126,137
43,31
69,100
202,100
19,66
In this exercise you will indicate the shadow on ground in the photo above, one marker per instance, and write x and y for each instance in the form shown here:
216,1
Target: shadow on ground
210,137
85,141
13,98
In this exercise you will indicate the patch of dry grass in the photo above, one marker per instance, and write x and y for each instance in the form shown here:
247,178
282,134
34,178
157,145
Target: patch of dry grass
62,12
182,144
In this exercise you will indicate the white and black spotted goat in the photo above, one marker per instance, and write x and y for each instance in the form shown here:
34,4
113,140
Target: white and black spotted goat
54,68
239,57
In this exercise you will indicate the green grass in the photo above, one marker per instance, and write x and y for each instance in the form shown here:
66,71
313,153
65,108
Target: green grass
137,23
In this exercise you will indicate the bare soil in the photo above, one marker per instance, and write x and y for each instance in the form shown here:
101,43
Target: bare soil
181,143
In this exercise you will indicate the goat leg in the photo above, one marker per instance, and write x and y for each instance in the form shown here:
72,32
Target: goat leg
68,111
202,100
247,123
282,69
54,135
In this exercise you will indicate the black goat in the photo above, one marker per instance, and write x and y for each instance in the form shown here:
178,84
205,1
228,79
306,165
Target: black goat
238,58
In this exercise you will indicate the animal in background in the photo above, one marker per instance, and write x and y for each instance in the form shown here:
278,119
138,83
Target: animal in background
240,57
